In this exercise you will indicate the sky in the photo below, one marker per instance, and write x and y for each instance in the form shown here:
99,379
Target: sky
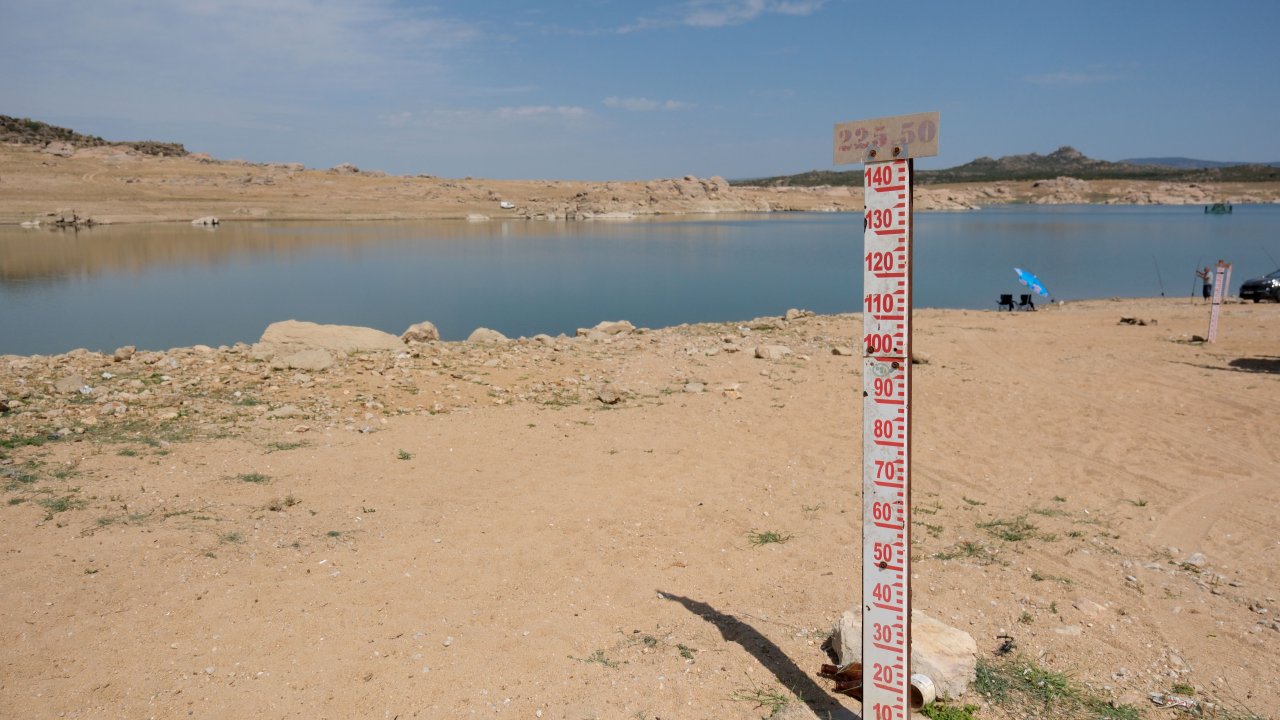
614,89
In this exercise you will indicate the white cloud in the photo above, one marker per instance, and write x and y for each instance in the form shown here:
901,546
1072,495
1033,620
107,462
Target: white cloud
644,104
196,58
1071,78
564,112
721,13
399,119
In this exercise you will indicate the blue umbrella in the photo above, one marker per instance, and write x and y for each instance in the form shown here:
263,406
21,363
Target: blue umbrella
1031,281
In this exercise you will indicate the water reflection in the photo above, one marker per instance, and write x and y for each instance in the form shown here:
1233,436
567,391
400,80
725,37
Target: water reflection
160,286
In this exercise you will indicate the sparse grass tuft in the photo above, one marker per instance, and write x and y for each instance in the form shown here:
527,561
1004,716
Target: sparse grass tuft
10,443
62,504
404,455
128,452
280,504
1021,687
969,550
1140,502
686,652
1012,530
971,501
255,478
767,538
772,700
943,711
281,446
599,658
231,537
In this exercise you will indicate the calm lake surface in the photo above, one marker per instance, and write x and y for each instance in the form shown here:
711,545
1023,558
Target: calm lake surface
174,285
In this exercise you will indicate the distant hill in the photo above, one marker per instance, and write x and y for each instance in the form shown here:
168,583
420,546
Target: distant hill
1065,160
1190,163
33,132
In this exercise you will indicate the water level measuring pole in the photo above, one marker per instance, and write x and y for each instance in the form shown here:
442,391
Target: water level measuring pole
886,147
1221,277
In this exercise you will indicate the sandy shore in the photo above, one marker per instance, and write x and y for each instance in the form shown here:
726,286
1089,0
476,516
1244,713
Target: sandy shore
459,529
118,185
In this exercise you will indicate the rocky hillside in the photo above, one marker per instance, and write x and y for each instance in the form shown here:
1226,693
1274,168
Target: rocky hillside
1066,161
24,131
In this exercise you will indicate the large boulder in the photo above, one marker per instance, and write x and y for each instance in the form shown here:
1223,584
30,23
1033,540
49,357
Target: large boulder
311,360
946,655
485,335
607,328
294,335
772,352
424,331
69,383
59,148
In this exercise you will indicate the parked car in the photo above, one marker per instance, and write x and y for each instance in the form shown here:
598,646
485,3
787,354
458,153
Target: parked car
1263,288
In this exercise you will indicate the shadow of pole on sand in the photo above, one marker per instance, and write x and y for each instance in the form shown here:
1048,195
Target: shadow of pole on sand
770,656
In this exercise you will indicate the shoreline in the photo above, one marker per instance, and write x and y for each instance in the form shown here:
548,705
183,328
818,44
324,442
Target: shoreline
242,346
114,185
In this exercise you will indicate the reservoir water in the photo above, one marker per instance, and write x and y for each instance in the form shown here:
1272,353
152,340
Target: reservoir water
162,286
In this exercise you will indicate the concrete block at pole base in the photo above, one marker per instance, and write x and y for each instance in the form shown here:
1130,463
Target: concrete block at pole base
946,655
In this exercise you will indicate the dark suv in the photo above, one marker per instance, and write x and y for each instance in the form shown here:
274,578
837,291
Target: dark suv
1264,288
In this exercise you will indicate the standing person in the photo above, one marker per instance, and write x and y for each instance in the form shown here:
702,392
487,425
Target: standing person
1207,278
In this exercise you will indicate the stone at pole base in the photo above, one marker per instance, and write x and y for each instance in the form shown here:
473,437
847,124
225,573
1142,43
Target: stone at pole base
946,655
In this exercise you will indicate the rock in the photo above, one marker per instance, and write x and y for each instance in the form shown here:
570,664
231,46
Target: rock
608,396
313,360
69,383
1088,607
113,408
919,358
298,335
286,411
61,149
477,217
123,353
485,335
794,314
946,655
424,331
206,221
842,351
615,327
1196,560
732,392
694,387
772,352
344,169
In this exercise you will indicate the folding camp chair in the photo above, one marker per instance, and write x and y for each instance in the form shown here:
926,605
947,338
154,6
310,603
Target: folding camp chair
1024,303
1006,301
